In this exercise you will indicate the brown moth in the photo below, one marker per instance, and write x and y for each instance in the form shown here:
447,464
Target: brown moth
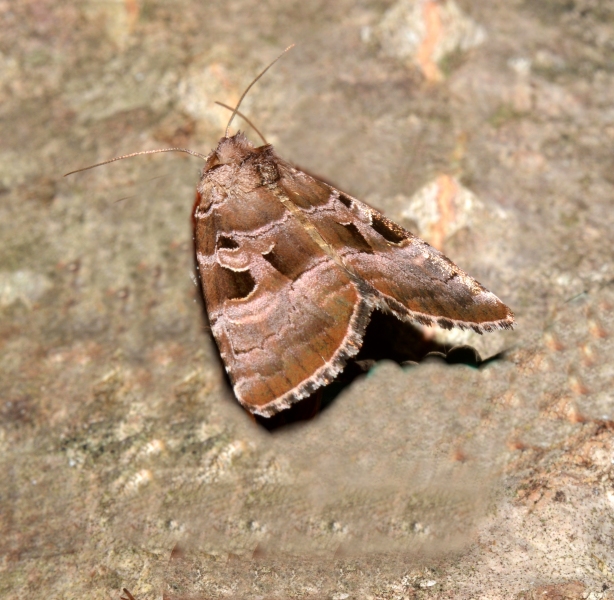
293,268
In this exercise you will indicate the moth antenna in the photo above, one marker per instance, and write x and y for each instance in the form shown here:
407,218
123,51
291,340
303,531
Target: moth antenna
249,87
246,120
106,162
124,198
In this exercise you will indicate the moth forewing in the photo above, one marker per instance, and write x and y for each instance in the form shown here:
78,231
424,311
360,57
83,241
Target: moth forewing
292,269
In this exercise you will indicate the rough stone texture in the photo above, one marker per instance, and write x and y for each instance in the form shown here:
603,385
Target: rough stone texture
124,459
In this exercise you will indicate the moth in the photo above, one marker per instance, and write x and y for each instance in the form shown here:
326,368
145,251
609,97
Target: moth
293,268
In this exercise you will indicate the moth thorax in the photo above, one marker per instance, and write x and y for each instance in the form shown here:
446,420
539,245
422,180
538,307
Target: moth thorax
268,171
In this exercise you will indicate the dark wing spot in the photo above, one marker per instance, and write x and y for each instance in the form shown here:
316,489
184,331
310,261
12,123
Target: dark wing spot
345,200
292,256
237,284
390,231
445,323
350,236
283,264
423,319
224,241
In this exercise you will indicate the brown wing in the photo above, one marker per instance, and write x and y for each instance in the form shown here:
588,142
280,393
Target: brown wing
284,314
406,275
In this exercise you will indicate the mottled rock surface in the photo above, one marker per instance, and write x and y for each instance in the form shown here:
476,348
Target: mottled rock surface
124,459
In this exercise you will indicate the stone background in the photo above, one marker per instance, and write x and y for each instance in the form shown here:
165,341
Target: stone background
485,126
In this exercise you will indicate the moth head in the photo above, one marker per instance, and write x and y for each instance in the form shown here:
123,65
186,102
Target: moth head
231,150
